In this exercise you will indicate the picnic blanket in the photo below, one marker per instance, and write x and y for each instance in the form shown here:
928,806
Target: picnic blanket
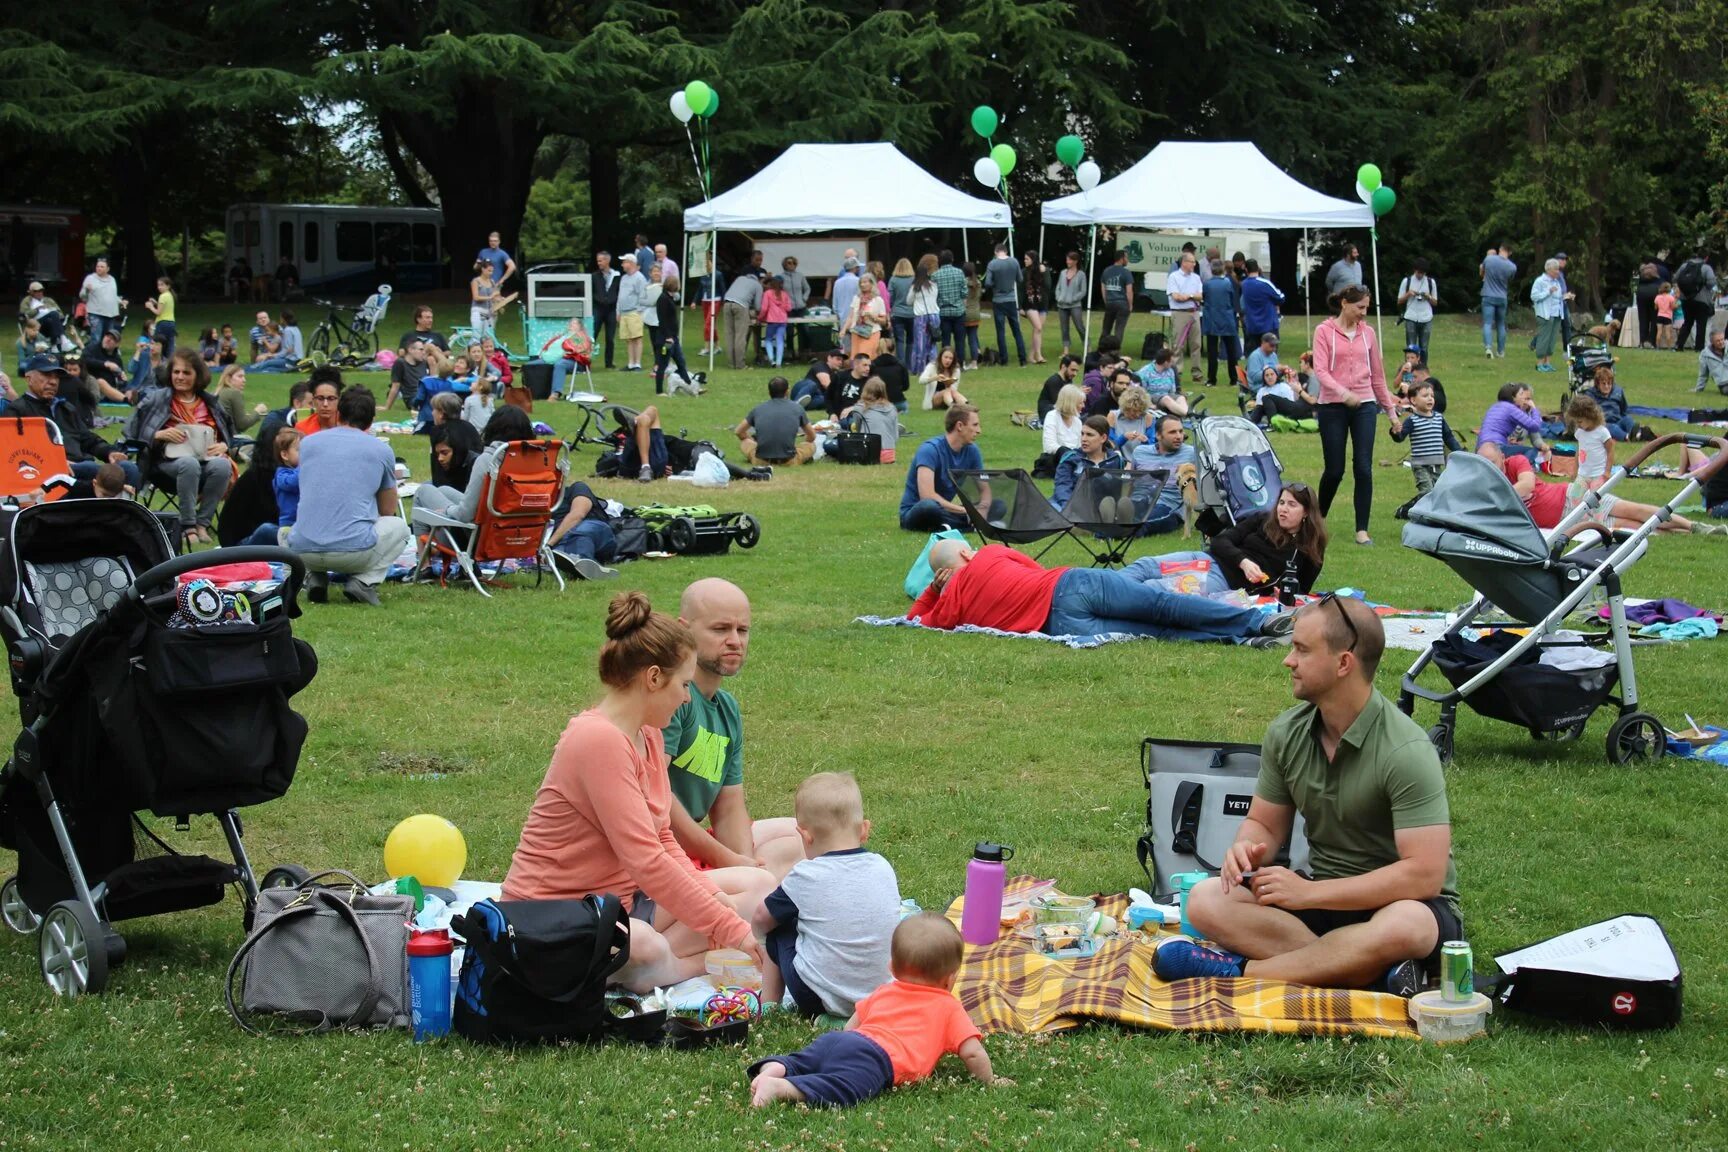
1070,641
1009,986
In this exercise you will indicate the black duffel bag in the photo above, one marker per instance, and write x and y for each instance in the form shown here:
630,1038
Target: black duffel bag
535,971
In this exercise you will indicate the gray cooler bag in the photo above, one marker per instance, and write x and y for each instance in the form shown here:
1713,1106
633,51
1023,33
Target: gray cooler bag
1197,795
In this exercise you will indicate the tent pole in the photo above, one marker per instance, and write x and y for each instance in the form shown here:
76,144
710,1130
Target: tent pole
1379,329
713,274
1091,251
1307,298
965,246
1042,255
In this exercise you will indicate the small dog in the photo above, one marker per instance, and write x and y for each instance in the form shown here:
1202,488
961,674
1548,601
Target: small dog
1188,478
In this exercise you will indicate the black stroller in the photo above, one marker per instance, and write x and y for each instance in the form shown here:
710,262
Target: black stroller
1475,521
131,702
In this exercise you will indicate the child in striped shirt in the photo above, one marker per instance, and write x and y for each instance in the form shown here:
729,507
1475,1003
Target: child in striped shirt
1430,439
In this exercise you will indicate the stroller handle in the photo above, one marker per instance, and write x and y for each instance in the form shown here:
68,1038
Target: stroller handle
1702,475
153,578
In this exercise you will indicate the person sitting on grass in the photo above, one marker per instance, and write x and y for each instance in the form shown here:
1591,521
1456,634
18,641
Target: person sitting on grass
705,744
1368,784
827,927
1095,452
1514,409
930,502
895,1037
1119,380
812,391
1163,389
771,433
583,536
1280,393
448,429
1168,452
1062,423
1128,424
230,392
877,415
997,587
285,481
941,380
1549,503
601,819
1611,398
1277,553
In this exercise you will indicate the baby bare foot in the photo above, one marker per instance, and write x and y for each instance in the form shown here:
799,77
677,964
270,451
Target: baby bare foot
771,1085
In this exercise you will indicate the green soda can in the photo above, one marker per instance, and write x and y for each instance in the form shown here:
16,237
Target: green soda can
1457,971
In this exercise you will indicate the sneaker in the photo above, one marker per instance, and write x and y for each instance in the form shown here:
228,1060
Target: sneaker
318,589
593,569
1264,641
760,472
645,475
1107,509
1278,624
1180,959
1488,352
1404,978
361,593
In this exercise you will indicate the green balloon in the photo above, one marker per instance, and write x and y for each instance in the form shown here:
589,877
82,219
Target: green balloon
1368,175
713,104
984,121
1384,199
1005,157
696,94
1071,150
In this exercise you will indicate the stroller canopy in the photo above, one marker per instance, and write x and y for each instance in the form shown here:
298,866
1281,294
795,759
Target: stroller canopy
1473,512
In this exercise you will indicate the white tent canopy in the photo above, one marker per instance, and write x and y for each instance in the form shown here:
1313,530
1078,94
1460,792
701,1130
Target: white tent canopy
1198,185
817,187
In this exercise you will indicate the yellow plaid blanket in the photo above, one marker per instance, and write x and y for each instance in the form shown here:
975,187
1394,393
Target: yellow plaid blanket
1009,986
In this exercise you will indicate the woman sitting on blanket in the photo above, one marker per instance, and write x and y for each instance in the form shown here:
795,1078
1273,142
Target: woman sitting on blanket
1095,452
601,821
1267,554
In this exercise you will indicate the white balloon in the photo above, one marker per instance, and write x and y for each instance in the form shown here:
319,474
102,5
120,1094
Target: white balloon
1363,194
1087,175
681,107
986,172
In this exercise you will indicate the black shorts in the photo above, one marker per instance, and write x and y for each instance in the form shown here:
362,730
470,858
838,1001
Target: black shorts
1323,920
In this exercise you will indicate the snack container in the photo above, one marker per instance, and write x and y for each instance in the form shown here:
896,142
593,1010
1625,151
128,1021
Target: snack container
1442,1021
728,967
1074,911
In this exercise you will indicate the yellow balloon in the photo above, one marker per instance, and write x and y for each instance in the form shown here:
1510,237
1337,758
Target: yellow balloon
428,848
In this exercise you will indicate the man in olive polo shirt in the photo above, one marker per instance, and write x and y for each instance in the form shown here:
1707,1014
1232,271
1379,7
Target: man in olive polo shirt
1384,892
705,746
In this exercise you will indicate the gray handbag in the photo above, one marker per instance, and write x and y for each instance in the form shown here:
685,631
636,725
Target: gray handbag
328,957
1197,795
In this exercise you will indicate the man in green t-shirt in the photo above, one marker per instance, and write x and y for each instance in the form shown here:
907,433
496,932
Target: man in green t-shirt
1384,892
705,746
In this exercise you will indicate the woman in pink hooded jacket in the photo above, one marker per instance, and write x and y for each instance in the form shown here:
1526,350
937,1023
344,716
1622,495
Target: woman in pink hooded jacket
1352,394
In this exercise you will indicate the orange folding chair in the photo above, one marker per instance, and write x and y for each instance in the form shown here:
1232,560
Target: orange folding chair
33,465
511,521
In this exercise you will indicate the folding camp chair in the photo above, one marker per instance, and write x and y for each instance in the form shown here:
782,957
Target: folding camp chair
1007,506
33,466
1111,507
607,425
516,503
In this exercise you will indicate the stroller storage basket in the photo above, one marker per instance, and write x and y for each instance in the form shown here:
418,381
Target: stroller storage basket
1528,693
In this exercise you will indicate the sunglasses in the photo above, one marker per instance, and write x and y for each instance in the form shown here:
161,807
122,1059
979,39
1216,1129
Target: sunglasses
1297,487
1344,615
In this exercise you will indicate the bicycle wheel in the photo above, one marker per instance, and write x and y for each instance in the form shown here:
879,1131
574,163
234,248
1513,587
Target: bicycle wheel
364,344
320,341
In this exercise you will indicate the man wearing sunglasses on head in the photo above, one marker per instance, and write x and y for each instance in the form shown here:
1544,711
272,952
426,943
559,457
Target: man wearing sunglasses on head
1383,896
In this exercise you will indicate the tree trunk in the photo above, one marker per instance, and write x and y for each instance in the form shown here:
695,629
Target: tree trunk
136,222
605,202
1536,133
1592,296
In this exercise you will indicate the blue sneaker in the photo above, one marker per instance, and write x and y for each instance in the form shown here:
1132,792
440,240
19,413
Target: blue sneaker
1185,960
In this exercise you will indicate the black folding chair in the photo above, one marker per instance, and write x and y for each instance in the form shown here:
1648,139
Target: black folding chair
1110,508
1006,506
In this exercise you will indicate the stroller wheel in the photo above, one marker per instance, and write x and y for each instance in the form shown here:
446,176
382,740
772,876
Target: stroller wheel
749,531
1636,738
680,534
73,949
17,914
1441,737
285,876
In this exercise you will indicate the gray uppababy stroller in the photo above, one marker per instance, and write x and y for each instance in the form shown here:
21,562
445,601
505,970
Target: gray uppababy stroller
1475,521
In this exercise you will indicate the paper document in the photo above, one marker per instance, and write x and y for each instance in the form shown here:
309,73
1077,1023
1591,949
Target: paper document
1625,948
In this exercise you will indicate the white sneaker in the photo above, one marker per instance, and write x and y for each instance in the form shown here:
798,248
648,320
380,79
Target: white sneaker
593,569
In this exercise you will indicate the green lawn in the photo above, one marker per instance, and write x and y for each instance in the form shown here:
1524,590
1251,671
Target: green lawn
954,739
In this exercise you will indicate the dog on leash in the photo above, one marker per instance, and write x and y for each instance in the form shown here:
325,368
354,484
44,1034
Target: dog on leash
1188,479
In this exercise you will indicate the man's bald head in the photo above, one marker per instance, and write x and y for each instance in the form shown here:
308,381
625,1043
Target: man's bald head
949,554
709,595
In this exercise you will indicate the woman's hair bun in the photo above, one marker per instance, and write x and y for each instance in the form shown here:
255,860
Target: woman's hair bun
628,612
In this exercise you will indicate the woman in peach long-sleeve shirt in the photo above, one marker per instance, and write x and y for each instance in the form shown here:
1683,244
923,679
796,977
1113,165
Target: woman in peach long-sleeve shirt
1352,379
601,821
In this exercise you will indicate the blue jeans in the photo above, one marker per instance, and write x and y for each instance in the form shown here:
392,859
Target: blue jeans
561,372
266,534
902,326
1494,325
165,332
1091,602
929,516
1148,569
954,328
1417,332
273,364
1720,511
1340,424
100,325
668,352
1008,314
775,339
1622,428
589,540
87,469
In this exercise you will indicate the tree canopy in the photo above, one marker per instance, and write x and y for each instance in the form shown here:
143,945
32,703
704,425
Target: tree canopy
1598,127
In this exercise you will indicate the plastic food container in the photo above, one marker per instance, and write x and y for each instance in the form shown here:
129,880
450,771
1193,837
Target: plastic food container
730,968
1442,1021
1075,911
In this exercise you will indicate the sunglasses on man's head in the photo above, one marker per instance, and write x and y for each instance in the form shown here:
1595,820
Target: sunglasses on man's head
1344,615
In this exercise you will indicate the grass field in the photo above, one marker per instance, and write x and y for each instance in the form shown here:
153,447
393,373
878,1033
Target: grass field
444,702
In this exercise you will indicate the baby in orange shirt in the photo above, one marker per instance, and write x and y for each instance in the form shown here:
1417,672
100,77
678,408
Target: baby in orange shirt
895,1037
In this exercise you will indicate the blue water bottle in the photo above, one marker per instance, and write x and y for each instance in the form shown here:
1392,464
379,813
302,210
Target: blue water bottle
429,985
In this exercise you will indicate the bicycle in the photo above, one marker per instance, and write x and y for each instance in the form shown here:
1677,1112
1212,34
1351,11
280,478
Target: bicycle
349,336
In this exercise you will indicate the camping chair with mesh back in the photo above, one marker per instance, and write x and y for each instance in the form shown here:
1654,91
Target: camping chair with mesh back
510,522
1110,509
1006,506
33,465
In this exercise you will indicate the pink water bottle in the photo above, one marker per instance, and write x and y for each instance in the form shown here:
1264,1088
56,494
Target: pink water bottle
986,877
